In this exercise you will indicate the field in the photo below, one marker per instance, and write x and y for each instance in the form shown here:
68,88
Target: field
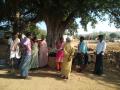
111,46
47,79
112,53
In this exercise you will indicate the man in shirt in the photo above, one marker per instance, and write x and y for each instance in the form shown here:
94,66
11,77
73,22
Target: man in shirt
100,50
14,51
83,50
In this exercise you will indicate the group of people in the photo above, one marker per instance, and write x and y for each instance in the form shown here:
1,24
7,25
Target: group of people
27,52
30,53
82,55
64,56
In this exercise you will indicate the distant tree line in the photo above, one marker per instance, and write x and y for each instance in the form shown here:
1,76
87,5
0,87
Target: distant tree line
107,35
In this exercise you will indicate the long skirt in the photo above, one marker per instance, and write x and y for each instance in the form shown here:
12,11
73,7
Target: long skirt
34,59
43,57
25,65
66,68
59,56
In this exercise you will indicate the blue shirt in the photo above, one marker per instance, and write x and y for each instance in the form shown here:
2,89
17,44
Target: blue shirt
82,47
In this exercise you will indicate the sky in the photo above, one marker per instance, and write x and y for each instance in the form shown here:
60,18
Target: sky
100,27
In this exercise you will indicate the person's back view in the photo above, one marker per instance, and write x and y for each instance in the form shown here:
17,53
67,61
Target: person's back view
34,57
68,57
43,53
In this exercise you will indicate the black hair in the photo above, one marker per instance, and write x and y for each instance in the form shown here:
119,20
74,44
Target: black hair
14,33
61,39
68,39
100,36
82,38
34,38
28,34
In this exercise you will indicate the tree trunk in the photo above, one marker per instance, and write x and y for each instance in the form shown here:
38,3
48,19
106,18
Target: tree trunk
55,30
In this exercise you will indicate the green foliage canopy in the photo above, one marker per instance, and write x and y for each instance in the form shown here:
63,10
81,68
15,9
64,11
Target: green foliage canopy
58,15
63,11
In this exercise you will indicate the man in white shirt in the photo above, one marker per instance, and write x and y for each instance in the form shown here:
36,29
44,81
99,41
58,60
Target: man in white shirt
14,51
100,50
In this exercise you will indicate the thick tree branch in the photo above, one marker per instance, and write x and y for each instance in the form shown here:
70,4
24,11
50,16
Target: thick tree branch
69,19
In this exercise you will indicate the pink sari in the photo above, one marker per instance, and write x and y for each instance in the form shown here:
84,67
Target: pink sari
60,52
43,54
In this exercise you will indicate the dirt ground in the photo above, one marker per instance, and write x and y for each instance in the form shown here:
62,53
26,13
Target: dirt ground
47,79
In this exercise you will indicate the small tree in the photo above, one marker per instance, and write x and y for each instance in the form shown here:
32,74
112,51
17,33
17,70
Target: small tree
113,35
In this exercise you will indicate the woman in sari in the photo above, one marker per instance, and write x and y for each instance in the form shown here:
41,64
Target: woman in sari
67,62
34,58
26,56
59,54
43,52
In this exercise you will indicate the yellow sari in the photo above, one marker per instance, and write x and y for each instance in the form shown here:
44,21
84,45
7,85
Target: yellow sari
67,61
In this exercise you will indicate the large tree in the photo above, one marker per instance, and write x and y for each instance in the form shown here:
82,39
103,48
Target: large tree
59,15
